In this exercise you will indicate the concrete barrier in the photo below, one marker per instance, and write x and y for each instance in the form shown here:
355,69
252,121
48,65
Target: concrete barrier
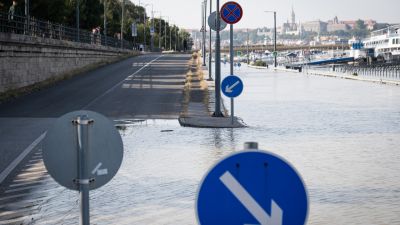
26,61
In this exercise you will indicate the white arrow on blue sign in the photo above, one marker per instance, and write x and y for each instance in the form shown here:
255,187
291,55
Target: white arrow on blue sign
252,187
232,86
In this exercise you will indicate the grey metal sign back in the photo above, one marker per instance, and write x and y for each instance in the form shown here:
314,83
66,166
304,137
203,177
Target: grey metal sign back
212,22
101,142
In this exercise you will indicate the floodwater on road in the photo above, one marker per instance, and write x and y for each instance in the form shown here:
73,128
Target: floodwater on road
342,136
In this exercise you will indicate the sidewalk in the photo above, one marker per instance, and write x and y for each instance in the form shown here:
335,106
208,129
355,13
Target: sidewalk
199,102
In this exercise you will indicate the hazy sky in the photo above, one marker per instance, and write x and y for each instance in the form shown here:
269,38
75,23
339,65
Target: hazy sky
186,13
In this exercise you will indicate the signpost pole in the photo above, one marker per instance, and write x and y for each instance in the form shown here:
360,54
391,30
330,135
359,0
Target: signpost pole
211,51
275,55
231,70
217,112
82,123
85,159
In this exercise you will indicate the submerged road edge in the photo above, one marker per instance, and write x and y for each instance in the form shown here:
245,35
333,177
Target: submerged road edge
199,101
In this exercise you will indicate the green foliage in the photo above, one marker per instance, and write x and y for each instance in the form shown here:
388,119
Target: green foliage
260,63
92,16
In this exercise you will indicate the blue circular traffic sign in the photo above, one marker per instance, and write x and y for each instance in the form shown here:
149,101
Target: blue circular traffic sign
252,187
232,86
231,12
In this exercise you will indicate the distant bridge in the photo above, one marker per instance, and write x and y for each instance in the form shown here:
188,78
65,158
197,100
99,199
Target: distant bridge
260,48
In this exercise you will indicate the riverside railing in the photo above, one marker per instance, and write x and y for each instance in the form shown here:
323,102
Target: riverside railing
45,29
384,71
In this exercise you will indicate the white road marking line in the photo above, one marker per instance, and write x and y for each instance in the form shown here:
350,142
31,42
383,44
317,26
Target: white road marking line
18,160
115,86
250,203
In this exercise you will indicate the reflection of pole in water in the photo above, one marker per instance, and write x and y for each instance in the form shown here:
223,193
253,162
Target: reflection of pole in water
224,139
232,141
217,139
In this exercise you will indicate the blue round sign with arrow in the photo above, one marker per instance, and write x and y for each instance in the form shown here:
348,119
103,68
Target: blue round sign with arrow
232,86
252,187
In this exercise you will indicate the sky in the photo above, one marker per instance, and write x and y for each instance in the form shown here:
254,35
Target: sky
187,13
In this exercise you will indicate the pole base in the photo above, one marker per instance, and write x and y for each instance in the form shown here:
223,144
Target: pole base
217,114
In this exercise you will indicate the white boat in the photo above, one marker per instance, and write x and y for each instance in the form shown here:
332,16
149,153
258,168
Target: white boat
384,43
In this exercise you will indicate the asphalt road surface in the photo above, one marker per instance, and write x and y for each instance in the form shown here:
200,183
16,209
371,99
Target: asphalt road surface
145,87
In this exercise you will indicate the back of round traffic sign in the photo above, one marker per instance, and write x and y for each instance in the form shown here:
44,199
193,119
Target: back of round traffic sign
231,12
104,149
212,22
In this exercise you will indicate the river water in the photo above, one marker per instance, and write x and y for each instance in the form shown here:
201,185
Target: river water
342,136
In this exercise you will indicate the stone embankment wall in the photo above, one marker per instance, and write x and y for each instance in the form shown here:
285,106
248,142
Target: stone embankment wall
26,61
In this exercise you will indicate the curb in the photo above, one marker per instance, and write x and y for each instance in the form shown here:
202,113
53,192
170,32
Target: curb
198,114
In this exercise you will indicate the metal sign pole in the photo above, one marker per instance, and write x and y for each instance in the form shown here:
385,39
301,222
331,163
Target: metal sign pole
82,123
231,70
218,112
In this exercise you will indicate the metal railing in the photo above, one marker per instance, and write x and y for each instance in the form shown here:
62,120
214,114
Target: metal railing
45,29
384,71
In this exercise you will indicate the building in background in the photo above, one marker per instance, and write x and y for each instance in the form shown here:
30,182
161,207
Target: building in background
315,26
336,25
291,27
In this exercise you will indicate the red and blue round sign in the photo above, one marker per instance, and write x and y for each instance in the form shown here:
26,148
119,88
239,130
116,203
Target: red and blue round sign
231,12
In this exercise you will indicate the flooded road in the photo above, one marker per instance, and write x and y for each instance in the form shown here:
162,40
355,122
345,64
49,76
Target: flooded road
342,136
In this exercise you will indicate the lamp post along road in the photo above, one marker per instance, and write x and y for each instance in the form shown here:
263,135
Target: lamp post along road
210,50
105,21
122,24
176,31
275,52
77,21
27,15
204,12
152,29
165,33
170,38
160,29
248,56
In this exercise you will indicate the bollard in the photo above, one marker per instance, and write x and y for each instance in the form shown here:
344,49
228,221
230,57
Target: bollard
250,146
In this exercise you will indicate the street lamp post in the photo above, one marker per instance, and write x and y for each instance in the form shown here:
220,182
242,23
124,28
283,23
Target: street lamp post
122,24
204,13
176,36
160,35
248,56
275,52
170,38
105,21
77,21
152,29
165,33
27,16
144,26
